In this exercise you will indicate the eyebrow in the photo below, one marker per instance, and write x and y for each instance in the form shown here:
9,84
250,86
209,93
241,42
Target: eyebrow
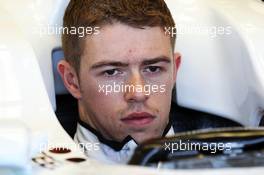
122,64
157,60
108,63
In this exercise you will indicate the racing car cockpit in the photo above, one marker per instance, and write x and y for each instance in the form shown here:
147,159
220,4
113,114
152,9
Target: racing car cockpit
220,83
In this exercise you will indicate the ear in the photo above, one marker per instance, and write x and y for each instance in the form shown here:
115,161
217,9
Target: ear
70,78
177,61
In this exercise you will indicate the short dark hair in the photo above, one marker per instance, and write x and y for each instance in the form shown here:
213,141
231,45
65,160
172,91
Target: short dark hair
92,13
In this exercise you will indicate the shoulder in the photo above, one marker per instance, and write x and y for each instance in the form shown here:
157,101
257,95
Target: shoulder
184,119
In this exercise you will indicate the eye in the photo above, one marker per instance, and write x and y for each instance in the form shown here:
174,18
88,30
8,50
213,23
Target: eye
153,69
111,72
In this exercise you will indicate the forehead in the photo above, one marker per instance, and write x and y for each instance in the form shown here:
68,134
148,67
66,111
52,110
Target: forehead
119,42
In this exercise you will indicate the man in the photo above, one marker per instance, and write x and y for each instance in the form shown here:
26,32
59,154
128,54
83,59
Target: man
122,74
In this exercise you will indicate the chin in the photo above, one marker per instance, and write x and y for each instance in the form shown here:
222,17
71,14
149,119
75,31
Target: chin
142,137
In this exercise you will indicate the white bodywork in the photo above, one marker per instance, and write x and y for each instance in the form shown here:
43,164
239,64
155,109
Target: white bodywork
222,75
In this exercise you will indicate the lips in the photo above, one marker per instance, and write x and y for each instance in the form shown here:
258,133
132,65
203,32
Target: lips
138,119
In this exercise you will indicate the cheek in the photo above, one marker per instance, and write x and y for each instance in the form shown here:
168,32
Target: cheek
161,100
102,102
90,90
165,87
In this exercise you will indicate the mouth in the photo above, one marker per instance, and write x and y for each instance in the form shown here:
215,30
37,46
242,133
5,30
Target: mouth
138,119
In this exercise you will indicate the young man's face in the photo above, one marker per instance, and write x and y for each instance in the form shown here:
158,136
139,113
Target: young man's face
119,59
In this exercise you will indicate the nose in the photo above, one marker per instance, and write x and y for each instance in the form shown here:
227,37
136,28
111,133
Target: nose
134,89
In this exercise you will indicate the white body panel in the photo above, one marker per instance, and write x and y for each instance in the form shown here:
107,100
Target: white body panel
221,74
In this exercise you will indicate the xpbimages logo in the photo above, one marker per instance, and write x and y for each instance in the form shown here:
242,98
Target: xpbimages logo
124,88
